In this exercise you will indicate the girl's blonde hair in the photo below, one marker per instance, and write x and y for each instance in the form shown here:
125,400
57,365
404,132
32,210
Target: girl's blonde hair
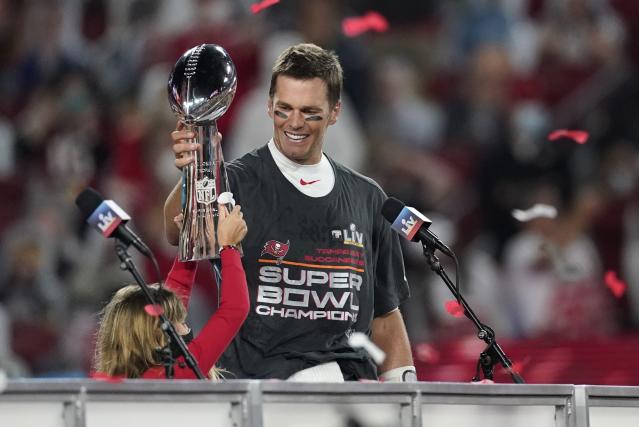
128,337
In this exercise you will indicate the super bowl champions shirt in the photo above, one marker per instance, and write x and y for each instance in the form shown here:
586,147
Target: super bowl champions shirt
318,268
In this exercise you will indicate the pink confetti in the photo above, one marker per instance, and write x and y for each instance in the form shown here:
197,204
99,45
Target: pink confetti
454,308
355,25
579,136
616,286
258,7
517,366
154,310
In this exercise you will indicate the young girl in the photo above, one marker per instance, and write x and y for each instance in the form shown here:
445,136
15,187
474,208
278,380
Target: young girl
128,337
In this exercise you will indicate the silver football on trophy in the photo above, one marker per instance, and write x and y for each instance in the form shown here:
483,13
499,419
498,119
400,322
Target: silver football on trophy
202,84
201,88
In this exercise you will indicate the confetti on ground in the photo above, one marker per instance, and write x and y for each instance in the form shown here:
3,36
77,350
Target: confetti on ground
539,210
154,310
484,381
616,286
454,308
579,136
258,7
361,340
356,25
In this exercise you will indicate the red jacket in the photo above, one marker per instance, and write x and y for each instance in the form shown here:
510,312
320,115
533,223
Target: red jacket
222,326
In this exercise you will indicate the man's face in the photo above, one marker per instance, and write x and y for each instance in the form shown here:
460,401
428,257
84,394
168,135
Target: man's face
301,114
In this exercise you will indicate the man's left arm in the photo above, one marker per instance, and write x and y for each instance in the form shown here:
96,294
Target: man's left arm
389,334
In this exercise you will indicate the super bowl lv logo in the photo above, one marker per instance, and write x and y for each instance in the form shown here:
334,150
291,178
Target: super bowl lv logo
107,217
408,225
276,249
349,236
205,191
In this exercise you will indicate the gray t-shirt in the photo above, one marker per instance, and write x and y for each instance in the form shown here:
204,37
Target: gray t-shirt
317,270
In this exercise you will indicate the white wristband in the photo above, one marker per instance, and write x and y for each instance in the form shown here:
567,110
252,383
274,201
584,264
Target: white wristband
404,374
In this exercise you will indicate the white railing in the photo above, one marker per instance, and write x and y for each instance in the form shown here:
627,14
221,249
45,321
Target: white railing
80,403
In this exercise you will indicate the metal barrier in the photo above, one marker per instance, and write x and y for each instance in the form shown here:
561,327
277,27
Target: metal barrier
80,403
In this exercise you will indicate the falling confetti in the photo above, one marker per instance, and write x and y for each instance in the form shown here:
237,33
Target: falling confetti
154,310
539,210
355,25
454,308
616,286
361,340
258,7
579,136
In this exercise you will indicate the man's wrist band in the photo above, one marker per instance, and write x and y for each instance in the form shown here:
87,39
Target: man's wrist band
227,247
404,374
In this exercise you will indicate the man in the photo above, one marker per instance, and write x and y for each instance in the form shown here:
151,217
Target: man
321,261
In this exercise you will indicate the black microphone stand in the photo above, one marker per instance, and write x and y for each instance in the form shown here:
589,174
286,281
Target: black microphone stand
493,353
167,327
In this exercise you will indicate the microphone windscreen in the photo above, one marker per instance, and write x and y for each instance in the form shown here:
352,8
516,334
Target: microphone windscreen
391,209
88,201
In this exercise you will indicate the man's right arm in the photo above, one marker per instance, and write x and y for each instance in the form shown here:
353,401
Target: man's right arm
172,208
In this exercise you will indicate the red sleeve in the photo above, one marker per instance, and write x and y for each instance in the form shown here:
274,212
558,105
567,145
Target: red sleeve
180,279
222,326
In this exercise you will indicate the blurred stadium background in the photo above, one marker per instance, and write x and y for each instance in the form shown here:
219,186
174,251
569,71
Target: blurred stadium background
449,109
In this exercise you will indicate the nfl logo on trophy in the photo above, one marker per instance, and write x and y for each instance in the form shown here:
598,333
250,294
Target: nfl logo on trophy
205,191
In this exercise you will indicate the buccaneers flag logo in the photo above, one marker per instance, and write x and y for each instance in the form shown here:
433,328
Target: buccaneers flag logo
276,249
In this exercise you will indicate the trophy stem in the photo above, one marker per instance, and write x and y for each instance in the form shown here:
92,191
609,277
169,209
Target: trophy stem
202,181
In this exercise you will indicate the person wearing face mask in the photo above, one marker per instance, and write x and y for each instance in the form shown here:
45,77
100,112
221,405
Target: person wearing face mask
321,261
129,338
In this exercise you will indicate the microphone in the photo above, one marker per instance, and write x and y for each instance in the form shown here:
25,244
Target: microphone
108,218
411,224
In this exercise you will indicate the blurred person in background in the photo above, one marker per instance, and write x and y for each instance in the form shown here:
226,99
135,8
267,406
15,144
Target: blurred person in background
577,39
581,32
406,131
11,364
616,232
34,298
553,271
